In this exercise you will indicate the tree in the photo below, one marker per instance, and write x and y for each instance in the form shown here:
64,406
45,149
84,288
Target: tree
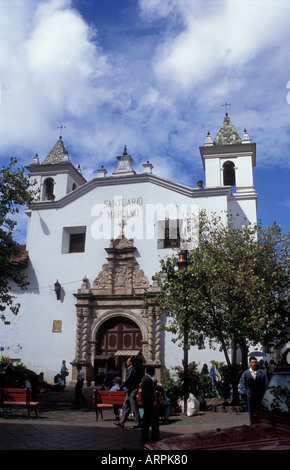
234,290
15,191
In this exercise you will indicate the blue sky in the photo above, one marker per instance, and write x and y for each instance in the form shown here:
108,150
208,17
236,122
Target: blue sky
151,75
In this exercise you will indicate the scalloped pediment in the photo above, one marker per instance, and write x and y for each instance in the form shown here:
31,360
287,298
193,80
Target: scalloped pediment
122,274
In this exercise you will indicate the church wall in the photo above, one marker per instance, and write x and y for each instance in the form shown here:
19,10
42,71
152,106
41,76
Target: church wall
44,332
244,177
212,173
245,207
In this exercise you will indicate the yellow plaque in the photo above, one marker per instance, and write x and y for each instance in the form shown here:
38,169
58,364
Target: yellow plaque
56,326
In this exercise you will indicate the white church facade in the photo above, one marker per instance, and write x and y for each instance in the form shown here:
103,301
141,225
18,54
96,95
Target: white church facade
93,247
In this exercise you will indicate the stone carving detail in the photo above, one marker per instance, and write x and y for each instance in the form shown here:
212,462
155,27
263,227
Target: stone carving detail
122,272
139,278
157,338
78,336
120,285
121,276
102,280
85,337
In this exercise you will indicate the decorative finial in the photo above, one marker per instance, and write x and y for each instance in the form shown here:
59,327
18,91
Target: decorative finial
61,127
208,140
35,161
122,224
226,105
125,150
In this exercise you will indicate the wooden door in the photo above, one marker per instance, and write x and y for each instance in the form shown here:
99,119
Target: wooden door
117,334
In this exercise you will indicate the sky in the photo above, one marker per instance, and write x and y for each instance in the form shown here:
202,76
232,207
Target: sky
152,75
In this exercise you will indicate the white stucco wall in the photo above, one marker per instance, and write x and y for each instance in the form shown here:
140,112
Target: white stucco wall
30,336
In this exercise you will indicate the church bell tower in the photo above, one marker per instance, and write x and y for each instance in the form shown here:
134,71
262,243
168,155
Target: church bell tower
228,160
55,176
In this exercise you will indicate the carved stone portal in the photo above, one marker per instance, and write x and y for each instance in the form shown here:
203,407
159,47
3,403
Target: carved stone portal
119,290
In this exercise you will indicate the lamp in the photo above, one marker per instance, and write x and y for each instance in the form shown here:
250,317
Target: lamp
57,288
182,259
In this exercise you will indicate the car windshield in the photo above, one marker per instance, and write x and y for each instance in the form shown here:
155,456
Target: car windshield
276,400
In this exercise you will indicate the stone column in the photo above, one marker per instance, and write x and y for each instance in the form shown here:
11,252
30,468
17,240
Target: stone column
84,353
157,337
150,334
78,333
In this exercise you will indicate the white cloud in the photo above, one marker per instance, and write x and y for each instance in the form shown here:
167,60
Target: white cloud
152,9
216,36
62,58
157,88
48,69
187,57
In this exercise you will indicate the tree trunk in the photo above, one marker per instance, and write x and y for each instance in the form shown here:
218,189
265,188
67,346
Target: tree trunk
234,377
233,373
235,384
245,350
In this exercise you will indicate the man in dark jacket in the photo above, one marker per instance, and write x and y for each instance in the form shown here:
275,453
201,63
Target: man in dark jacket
253,384
131,383
150,417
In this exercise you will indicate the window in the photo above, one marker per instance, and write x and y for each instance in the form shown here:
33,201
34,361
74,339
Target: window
229,174
77,242
169,233
73,239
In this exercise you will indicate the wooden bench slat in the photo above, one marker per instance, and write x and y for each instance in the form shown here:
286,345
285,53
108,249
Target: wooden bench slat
17,397
107,399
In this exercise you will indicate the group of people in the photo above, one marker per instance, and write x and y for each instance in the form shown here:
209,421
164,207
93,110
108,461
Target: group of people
148,388
60,378
60,381
253,384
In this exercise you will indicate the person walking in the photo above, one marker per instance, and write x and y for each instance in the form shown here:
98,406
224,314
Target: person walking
150,417
79,385
131,384
253,384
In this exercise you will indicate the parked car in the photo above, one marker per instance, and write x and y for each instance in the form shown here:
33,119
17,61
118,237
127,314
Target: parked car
270,429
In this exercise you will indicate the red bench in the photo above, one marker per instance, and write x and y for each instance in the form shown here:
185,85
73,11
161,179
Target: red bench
106,399
17,397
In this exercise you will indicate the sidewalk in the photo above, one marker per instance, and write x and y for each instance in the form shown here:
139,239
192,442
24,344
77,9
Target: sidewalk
62,425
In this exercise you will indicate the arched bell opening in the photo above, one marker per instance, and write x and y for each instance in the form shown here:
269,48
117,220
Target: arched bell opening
48,190
229,174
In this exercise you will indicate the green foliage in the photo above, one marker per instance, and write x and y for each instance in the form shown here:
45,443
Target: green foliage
171,387
13,374
194,383
173,383
235,290
15,191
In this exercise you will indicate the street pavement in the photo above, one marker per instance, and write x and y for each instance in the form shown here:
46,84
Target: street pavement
64,426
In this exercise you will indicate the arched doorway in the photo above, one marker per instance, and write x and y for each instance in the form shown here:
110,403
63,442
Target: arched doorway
116,339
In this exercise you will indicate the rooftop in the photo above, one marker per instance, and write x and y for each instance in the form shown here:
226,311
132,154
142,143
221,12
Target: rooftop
227,134
58,154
